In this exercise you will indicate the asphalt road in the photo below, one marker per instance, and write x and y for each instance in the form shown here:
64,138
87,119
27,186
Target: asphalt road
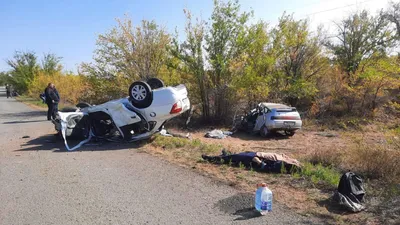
41,183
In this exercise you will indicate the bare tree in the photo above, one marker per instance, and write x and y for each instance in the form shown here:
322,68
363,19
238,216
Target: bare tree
135,52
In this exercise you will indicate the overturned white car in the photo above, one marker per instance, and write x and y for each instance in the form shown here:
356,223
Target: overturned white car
150,104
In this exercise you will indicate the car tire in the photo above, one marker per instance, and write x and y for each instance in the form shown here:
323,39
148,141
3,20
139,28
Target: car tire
289,133
82,105
141,94
155,83
264,132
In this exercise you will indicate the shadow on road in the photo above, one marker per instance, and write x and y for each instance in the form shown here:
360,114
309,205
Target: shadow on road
239,205
242,206
247,213
23,121
25,114
56,144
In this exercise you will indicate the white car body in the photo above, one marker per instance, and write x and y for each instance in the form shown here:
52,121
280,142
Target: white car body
167,103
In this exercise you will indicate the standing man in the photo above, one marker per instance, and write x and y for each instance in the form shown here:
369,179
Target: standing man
8,90
50,99
56,99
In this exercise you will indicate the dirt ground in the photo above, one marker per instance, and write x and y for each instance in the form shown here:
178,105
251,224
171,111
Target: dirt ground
295,194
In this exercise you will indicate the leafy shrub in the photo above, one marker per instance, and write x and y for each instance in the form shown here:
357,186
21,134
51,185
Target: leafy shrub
70,86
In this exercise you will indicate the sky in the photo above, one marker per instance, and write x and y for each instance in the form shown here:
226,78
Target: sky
70,28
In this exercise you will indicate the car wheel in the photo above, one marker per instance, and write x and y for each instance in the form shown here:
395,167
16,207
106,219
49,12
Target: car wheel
289,133
140,94
82,105
264,131
155,83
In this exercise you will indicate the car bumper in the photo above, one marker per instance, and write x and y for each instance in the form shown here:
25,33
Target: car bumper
284,125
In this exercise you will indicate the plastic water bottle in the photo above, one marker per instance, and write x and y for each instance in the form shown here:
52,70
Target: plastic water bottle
263,201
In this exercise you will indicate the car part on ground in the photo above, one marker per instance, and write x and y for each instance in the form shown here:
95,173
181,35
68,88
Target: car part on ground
218,134
124,119
166,133
268,118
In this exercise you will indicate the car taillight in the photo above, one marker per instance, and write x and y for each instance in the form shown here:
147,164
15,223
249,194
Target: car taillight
285,118
176,108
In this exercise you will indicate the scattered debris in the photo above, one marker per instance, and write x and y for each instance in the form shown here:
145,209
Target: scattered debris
218,134
26,136
327,134
166,133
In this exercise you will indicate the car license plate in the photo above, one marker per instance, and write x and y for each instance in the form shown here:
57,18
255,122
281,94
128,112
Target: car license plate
289,124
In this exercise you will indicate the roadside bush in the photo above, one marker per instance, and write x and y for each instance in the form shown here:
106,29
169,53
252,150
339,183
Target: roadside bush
326,157
375,162
70,87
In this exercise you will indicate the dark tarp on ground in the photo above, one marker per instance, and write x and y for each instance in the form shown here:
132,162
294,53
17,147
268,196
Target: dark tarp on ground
350,193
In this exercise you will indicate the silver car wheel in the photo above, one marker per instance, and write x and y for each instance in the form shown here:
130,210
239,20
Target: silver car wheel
139,92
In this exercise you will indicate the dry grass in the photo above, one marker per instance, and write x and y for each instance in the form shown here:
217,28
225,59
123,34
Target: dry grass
370,159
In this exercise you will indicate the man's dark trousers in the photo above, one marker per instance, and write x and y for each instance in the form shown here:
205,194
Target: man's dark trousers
50,111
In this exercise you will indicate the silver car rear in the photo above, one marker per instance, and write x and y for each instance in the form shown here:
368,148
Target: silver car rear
282,117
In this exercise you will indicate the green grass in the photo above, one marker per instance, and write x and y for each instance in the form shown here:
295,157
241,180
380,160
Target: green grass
38,102
319,174
33,101
176,143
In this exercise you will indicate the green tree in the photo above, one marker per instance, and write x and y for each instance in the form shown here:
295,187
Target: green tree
3,78
24,67
359,37
133,52
253,68
382,74
190,53
224,43
298,60
393,15
51,63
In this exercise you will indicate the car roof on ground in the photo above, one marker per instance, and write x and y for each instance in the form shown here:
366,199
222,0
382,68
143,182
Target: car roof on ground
271,105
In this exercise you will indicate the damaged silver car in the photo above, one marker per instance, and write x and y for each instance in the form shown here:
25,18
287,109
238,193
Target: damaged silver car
268,118
149,106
